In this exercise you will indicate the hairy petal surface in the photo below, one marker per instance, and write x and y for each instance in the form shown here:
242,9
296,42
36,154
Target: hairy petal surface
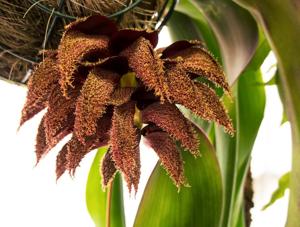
194,58
61,161
108,169
125,144
76,47
91,104
77,150
197,97
146,65
40,85
59,119
168,154
170,119
41,147
121,95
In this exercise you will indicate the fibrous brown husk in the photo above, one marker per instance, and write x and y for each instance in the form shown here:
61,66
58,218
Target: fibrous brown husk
24,25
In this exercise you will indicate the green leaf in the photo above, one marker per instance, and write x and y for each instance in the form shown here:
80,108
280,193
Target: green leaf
236,32
280,21
96,199
246,110
283,185
193,18
199,205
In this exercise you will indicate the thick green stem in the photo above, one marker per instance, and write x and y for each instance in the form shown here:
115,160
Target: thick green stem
281,23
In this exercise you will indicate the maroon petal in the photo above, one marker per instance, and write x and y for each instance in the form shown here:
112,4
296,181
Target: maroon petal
93,25
76,150
197,97
108,169
121,95
146,65
61,162
168,154
59,119
91,104
194,58
40,85
124,38
41,147
170,119
125,144
76,47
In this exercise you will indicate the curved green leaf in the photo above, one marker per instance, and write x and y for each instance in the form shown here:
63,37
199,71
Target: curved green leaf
283,185
199,205
247,111
96,199
280,21
236,31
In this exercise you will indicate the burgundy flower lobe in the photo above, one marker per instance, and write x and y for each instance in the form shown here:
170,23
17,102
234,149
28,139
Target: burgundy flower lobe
170,119
91,104
108,169
40,85
146,65
124,140
168,154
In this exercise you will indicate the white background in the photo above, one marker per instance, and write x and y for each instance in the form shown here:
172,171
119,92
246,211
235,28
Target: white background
30,196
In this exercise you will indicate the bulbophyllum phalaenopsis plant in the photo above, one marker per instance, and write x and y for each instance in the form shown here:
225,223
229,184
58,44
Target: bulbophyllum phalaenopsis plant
111,87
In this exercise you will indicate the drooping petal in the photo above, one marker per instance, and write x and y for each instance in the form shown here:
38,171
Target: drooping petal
121,95
41,147
197,97
61,162
147,66
76,150
124,140
170,119
91,104
84,40
59,119
195,59
40,85
108,169
124,38
168,154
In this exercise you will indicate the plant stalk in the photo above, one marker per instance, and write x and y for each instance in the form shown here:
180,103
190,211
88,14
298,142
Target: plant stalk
108,204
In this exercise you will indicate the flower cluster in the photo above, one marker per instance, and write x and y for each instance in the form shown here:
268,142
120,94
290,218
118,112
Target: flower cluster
110,87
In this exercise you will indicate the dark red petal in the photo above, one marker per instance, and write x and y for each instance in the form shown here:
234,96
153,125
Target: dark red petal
197,97
175,48
147,66
61,162
195,59
91,104
40,84
41,147
126,37
76,150
76,47
93,25
121,95
108,169
59,119
168,154
125,144
170,119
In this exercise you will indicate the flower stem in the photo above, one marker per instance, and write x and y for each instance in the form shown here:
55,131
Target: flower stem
108,204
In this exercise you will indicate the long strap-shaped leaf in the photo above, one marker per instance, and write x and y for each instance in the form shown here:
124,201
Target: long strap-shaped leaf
247,111
281,23
235,30
105,207
199,205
